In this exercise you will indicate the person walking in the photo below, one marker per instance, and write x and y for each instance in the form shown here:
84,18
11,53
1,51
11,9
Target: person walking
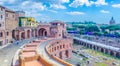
17,42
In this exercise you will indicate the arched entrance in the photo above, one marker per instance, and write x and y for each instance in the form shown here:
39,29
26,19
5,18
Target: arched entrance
94,47
102,50
28,33
111,53
106,51
23,35
66,53
13,33
118,55
42,32
90,46
60,54
32,33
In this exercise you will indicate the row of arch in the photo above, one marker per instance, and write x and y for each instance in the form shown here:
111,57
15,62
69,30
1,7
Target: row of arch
28,33
98,48
60,49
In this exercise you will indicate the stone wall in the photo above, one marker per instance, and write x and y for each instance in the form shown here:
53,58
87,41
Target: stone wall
57,50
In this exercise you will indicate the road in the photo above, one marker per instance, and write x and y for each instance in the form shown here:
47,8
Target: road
43,52
8,52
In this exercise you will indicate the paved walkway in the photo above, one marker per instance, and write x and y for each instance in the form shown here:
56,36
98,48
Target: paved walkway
43,52
7,53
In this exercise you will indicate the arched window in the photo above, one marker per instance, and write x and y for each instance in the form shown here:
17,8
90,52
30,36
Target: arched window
1,34
1,16
0,25
60,46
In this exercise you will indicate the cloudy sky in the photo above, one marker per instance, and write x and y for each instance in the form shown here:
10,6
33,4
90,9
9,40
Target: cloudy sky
99,11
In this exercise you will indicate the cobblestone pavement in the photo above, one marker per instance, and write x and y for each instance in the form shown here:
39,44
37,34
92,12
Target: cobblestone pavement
7,53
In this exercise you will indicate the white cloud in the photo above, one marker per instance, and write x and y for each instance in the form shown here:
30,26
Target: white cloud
45,18
11,1
53,11
101,2
25,3
75,13
32,14
77,3
7,1
116,5
38,6
1,3
35,6
32,10
57,6
104,11
64,1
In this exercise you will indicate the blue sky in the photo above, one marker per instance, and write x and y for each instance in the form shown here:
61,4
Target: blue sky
99,11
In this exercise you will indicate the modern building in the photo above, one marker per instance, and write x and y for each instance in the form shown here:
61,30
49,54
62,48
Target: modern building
112,21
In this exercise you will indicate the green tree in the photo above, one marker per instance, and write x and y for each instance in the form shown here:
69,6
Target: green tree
92,28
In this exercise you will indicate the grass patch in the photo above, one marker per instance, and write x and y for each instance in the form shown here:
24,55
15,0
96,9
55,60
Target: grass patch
100,64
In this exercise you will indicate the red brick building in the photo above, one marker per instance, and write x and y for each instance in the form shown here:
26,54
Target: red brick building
52,29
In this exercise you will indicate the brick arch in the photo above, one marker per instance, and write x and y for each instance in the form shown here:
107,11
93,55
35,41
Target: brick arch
60,46
106,51
23,35
28,33
94,47
102,50
111,53
60,54
118,54
55,48
63,45
67,53
63,48
42,32
13,33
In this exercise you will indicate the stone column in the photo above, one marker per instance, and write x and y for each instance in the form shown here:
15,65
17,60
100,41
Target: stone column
19,35
89,45
96,48
109,52
57,55
26,35
70,53
63,55
99,49
92,47
115,53
104,50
